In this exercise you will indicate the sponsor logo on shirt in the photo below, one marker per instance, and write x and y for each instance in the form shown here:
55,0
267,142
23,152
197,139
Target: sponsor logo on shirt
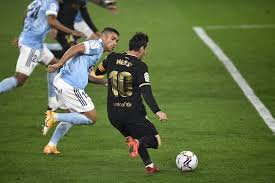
146,77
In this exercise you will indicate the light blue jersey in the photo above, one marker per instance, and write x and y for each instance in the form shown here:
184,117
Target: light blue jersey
78,17
76,70
36,26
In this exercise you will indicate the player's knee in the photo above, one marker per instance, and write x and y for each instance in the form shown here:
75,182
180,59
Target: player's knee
20,82
91,115
21,79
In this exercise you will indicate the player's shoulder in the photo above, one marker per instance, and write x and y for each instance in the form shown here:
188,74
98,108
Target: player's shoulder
115,55
94,44
141,64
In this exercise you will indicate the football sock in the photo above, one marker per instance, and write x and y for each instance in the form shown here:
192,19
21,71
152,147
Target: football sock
148,141
8,84
51,76
73,118
59,132
144,155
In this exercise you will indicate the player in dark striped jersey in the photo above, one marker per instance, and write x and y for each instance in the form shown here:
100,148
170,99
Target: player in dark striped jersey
128,79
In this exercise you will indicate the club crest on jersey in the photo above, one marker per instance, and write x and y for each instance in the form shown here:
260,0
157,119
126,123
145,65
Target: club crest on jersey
54,7
146,77
94,45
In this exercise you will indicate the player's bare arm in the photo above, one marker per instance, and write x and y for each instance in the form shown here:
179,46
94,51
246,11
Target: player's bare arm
73,51
54,23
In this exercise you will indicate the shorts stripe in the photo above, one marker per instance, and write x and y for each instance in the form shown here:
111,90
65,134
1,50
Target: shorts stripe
79,97
29,60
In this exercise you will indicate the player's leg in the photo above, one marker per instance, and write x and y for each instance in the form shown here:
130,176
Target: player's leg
61,129
47,58
26,63
146,136
75,100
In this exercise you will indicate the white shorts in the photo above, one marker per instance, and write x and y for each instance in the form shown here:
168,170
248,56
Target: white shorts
29,58
76,100
83,27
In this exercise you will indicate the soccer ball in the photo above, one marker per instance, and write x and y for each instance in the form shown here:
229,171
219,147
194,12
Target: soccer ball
186,161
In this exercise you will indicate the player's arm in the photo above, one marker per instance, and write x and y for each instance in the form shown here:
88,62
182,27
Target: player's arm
100,70
102,67
97,79
71,52
146,91
54,23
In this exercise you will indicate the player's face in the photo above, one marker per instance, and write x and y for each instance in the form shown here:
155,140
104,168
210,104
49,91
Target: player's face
111,41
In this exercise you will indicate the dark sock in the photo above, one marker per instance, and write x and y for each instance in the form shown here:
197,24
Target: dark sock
143,153
149,142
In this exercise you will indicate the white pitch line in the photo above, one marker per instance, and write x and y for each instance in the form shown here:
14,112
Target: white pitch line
263,26
247,90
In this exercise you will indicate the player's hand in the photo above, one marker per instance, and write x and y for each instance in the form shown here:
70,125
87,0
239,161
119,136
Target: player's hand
15,42
54,67
161,115
113,9
78,34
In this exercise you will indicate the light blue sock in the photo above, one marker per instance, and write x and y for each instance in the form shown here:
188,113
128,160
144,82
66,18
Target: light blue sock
51,76
59,132
8,84
73,118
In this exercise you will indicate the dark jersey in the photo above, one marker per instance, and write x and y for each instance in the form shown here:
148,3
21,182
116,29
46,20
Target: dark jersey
68,11
127,75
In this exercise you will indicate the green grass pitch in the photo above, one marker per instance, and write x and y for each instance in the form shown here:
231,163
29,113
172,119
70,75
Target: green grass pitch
208,114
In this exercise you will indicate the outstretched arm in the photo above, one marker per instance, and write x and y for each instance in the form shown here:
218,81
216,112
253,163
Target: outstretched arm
54,23
71,52
150,100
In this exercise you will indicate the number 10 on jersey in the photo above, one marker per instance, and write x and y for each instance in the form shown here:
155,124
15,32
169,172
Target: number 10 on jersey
121,83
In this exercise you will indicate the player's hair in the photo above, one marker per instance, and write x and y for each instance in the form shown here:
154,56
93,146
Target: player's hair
110,29
138,40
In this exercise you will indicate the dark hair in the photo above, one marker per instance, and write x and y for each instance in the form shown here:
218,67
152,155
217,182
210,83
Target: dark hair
109,29
138,40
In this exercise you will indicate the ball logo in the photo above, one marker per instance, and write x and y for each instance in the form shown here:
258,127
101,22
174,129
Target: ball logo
146,77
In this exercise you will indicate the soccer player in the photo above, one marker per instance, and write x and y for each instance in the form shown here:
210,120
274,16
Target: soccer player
80,23
128,79
40,16
74,14
70,83
66,15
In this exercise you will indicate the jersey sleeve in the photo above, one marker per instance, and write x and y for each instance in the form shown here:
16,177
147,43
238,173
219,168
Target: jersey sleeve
102,67
92,47
52,8
143,75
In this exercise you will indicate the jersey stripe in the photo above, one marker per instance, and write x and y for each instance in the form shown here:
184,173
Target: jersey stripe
143,84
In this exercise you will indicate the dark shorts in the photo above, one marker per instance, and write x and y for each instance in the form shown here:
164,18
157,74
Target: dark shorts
133,128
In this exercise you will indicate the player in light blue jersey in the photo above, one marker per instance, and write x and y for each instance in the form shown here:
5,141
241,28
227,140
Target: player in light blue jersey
40,16
70,83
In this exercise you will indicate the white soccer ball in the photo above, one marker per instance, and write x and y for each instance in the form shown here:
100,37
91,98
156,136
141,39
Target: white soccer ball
186,161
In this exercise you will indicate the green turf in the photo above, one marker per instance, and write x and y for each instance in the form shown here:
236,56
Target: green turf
207,112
